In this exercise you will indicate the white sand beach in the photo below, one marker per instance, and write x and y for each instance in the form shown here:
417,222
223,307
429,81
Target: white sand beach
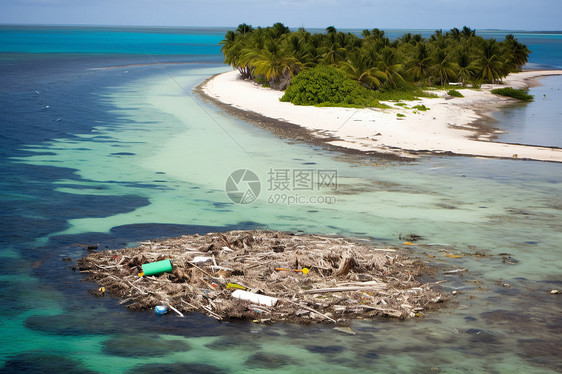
449,126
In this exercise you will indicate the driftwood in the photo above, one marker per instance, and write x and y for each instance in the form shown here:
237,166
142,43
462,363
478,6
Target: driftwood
345,289
348,263
343,279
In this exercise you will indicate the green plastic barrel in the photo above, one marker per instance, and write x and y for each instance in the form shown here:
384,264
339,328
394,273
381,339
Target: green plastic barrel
158,267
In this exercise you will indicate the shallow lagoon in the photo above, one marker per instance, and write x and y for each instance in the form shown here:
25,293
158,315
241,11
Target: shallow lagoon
156,166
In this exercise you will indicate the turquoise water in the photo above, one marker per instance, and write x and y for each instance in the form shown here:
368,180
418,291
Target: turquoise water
97,40
538,123
117,155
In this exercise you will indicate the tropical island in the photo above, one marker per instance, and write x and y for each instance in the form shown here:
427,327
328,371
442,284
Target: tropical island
274,55
366,93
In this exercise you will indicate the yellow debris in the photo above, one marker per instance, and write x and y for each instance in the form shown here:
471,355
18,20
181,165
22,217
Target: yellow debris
234,285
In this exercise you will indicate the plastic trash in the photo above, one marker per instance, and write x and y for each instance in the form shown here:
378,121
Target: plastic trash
200,259
160,309
234,285
255,298
155,268
303,270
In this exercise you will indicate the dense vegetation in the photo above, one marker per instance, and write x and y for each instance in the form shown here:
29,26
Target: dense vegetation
454,93
274,55
328,86
513,92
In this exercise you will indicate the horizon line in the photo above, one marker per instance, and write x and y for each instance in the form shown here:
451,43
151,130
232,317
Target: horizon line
230,27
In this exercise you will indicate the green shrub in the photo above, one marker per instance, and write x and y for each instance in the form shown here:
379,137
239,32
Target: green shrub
403,91
512,92
260,79
421,108
454,93
400,115
328,86
395,96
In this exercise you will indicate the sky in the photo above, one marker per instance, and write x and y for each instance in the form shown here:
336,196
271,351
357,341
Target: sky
530,15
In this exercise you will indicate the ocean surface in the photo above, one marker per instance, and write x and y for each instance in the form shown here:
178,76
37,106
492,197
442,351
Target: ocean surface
103,142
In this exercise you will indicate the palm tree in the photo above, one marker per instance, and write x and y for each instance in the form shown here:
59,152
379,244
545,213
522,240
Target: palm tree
438,34
489,69
348,41
278,29
443,69
232,49
228,42
465,70
373,38
438,39
314,48
297,44
406,38
419,66
520,55
456,34
244,28
377,34
389,65
489,66
515,53
333,53
467,32
276,64
360,67
247,47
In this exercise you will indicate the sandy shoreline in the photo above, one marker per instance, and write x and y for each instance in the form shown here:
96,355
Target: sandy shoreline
450,126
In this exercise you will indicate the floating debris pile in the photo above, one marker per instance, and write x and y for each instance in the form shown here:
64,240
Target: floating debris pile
266,276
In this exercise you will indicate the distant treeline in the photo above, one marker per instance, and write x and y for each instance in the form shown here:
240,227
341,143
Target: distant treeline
274,55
